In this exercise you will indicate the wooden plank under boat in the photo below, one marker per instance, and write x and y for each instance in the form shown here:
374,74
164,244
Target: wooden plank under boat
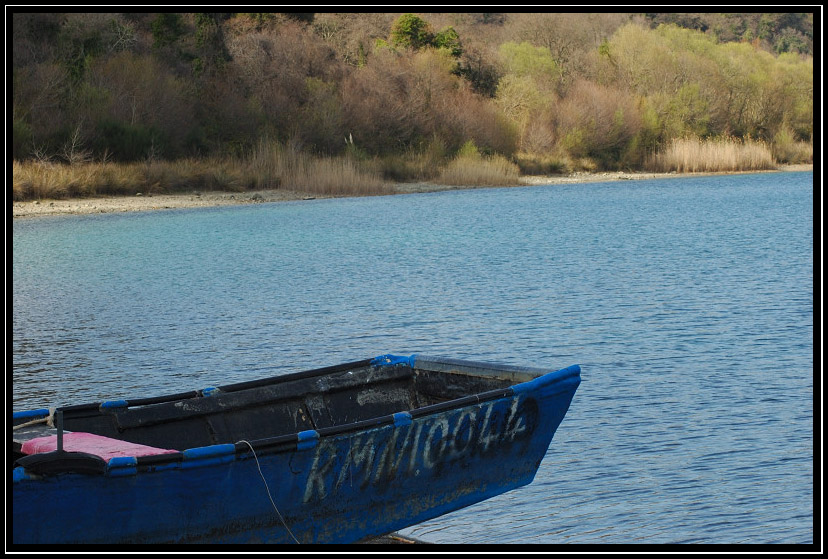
331,455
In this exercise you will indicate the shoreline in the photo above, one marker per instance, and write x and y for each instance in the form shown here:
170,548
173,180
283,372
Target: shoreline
183,200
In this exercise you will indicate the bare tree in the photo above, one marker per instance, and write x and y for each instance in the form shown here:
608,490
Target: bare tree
73,149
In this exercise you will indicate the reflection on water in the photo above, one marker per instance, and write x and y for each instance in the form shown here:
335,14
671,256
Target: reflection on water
688,304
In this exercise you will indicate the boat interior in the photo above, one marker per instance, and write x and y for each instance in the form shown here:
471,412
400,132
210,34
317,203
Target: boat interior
327,400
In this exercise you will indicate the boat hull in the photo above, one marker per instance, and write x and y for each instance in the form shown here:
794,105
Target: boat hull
326,487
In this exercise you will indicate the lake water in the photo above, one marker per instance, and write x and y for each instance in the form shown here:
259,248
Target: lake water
688,303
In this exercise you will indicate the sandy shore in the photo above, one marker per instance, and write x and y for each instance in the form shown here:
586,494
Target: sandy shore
140,203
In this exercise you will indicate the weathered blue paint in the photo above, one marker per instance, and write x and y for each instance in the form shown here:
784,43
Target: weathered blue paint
389,359
122,466
210,391
402,418
214,455
541,381
209,451
329,488
30,414
115,404
307,439
20,474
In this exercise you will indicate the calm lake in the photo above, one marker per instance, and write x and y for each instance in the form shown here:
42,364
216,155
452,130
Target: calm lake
688,303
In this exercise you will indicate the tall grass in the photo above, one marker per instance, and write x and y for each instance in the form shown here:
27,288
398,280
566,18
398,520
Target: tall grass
275,165
692,155
470,168
787,149
268,166
489,171
334,176
43,179
541,163
40,179
413,164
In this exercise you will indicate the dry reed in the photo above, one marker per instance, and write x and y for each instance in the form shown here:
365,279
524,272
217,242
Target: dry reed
475,170
41,179
269,166
692,155
272,164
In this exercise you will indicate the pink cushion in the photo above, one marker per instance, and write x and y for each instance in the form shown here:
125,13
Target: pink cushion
104,447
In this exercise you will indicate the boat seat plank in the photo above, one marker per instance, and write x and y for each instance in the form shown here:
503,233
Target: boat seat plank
103,447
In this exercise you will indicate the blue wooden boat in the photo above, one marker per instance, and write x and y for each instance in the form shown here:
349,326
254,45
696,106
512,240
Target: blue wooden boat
333,455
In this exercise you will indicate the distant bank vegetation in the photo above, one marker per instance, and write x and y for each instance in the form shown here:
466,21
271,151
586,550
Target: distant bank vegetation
344,103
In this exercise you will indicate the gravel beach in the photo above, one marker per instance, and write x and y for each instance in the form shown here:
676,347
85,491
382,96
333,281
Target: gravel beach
140,203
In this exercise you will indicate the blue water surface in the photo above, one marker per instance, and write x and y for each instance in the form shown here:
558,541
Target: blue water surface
688,303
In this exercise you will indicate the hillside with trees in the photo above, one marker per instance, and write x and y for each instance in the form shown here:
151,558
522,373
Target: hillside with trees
244,99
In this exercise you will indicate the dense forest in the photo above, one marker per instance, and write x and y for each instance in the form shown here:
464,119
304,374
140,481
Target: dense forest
545,92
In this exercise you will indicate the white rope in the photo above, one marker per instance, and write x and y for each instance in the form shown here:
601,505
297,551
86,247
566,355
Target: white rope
29,423
268,492
48,420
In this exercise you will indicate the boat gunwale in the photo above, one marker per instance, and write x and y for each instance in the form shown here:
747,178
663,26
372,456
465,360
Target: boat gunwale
228,388
414,361
292,441
246,385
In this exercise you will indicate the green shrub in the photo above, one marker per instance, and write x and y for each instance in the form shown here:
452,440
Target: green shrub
468,149
449,39
128,142
525,59
167,28
416,164
539,164
787,149
21,139
411,31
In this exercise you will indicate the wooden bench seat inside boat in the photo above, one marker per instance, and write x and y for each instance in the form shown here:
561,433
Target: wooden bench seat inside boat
103,447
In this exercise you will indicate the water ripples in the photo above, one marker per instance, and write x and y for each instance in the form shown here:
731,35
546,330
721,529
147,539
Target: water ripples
688,304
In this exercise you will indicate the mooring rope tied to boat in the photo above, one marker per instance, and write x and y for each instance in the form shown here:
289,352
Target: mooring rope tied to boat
48,420
268,492
30,423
